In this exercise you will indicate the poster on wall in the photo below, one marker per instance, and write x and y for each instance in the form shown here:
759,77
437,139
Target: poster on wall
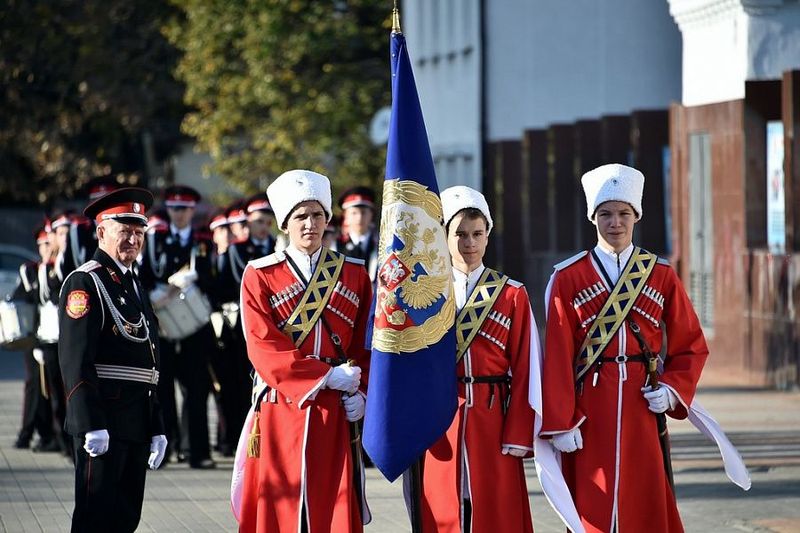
776,220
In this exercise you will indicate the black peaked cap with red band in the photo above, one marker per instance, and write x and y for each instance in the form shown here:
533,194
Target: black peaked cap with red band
359,196
127,205
100,186
181,196
258,202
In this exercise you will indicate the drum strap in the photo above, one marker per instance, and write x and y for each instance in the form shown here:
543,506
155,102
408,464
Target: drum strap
23,275
44,289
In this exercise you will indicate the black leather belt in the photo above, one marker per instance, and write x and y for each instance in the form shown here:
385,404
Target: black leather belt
503,381
638,358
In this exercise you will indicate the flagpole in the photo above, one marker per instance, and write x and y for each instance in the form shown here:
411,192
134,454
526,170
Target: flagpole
395,439
416,496
415,470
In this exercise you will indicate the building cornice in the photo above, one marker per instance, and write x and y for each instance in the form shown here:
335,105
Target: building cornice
698,12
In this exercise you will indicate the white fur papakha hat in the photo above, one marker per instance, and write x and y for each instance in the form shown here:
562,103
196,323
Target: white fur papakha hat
613,182
296,186
454,199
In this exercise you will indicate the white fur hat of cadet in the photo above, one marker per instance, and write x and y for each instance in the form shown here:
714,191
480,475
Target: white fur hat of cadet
297,186
613,182
454,199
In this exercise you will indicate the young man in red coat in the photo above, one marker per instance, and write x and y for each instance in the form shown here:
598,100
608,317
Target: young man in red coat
599,406
473,477
304,313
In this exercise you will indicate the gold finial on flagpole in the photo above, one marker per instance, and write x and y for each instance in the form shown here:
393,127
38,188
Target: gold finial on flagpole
396,19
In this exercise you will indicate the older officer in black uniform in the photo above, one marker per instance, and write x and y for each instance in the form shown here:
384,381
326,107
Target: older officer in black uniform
175,259
109,356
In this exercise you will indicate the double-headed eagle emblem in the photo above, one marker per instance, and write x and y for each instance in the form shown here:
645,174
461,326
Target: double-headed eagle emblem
413,308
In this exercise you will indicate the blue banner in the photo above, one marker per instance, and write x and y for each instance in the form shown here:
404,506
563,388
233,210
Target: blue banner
412,381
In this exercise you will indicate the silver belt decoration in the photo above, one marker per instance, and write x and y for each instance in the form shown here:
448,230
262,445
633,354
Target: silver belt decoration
128,373
117,316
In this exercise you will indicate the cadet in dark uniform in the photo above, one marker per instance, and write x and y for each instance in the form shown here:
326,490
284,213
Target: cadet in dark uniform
48,332
37,414
358,237
109,357
176,259
234,366
237,220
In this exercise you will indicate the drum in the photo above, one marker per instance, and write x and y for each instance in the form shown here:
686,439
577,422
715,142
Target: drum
47,332
180,313
16,325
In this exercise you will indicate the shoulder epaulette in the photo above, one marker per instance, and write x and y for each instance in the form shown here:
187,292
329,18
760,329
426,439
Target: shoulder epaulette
88,266
514,283
574,259
268,260
663,261
354,260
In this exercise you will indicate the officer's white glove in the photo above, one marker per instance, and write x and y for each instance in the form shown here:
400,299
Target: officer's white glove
38,354
344,378
183,278
659,400
158,447
354,407
516,452
96,442
569,441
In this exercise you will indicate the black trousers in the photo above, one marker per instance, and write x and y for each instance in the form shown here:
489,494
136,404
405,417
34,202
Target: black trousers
186,361
232,368
58,398
109,489
37,415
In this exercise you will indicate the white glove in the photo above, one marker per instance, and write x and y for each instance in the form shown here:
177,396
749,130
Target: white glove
96,442
569,441
183,278
158,447
38,354
659,400
516,452
354,407
344,378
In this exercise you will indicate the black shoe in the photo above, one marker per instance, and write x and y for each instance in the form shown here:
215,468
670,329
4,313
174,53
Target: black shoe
181,457
205,464
22,443
47,446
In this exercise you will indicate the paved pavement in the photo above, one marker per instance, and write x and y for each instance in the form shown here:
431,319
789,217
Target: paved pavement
36,489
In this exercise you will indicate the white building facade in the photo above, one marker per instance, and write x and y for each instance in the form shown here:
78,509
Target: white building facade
487,70
728,42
